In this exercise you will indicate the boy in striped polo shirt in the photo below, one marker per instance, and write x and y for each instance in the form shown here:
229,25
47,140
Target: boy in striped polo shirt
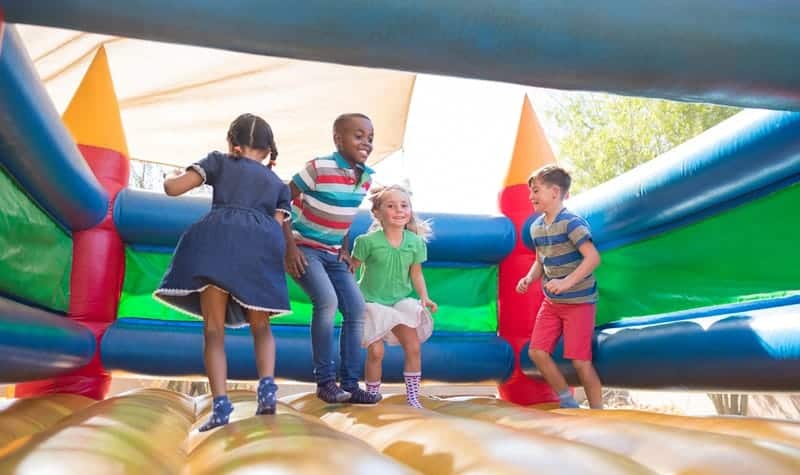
565,259
326,195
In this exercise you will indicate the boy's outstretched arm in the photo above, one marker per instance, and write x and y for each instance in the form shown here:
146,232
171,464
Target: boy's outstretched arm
591,259
179,182
418,281
296,262
533,274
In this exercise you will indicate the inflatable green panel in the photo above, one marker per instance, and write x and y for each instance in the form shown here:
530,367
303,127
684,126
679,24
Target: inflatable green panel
35,254
746,253
467,297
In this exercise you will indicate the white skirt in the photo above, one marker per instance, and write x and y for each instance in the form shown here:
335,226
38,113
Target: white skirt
380,319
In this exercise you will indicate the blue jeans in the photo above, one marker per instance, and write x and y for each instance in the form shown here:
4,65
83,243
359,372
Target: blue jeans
330,285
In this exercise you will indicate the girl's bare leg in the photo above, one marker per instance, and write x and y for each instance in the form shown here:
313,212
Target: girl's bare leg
263,341
213,302
412,368
373,370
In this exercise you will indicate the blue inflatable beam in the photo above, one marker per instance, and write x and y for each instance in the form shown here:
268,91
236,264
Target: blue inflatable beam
36,344
751,154
161,348
37,150
739,52
156,221
748,350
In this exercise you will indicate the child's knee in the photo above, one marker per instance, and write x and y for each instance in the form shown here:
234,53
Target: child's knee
325,302
412,348
581,364
214,332
537,355
353,308
375,351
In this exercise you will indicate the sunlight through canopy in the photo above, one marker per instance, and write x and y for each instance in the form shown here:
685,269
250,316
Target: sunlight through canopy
177,101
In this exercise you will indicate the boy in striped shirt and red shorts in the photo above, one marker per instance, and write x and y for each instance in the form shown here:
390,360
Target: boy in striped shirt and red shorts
326,195
565,259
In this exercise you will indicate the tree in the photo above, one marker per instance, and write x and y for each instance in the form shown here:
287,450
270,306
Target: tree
603,136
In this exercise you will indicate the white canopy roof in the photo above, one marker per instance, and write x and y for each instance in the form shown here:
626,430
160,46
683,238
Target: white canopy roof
177,101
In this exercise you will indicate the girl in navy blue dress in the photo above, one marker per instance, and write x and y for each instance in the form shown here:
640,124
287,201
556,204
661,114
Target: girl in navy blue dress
228,268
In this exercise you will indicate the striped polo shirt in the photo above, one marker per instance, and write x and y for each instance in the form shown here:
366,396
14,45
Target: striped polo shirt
557,250
323,213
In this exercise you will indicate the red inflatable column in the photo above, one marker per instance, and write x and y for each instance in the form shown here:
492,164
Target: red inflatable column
98,254
516,313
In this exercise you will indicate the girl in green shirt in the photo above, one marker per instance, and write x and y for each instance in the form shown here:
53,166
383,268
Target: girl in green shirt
392,253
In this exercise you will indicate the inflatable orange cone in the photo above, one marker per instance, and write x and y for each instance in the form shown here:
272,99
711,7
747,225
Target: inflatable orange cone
516,313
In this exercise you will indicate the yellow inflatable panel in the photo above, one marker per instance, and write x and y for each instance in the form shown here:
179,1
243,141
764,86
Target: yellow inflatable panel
663,449
136,433
287,442
441,445
784,432
21,417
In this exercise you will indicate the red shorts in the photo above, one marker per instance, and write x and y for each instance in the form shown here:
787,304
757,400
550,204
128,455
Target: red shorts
574,320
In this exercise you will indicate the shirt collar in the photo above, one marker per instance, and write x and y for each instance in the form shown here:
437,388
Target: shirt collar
342,163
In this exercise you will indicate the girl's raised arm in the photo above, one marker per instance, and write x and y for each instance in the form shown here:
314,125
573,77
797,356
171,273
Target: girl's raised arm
179,182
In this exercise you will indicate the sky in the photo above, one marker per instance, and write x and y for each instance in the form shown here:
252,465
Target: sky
459,139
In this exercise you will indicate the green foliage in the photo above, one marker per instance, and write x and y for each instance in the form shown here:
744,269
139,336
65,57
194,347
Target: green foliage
605,136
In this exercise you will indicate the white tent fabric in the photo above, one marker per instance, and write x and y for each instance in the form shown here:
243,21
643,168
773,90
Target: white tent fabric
177,101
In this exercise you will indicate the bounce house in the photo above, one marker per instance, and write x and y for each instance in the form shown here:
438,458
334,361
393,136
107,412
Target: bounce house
700,287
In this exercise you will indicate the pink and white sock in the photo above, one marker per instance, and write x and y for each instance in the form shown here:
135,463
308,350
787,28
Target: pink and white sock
374,387
412,388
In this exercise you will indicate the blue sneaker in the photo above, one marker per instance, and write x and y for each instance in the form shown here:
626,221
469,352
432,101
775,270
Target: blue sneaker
566,401
267,396
331,393
222,409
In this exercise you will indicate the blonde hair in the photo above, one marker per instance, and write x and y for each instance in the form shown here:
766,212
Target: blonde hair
418,226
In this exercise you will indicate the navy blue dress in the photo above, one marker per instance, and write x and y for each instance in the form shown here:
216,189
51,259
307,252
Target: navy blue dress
238,246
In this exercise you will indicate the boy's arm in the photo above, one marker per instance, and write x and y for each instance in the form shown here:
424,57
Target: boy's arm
296,262
534,273
418,281
591,259
344,253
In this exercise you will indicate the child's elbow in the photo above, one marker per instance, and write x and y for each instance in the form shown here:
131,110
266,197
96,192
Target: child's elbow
170,190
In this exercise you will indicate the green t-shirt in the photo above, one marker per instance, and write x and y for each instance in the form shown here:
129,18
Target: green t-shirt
385,275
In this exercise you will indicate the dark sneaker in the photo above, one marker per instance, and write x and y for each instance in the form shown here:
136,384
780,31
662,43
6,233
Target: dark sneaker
331,393
359,396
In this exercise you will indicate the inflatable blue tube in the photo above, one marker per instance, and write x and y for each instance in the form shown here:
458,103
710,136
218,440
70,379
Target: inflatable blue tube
36,344
156,221
161,348
731,52
37,150
747,156
749,350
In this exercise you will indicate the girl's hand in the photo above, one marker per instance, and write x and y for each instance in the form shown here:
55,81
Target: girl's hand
429,304
523,284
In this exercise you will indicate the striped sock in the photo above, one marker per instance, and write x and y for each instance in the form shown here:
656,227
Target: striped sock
412,388
374,387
